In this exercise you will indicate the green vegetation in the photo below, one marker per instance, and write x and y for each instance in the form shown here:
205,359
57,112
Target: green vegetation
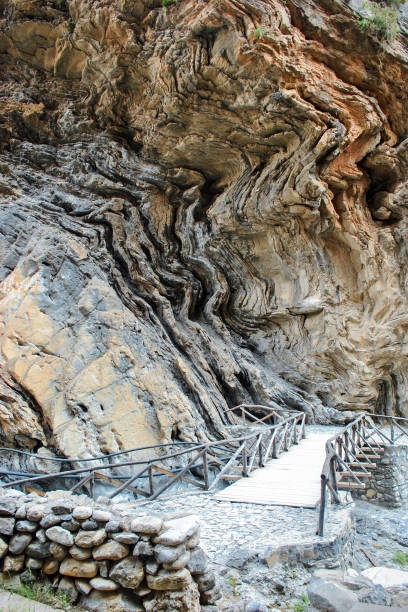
259,32
167,2
401,558
301,606
44,594
382,20
70,25
234,586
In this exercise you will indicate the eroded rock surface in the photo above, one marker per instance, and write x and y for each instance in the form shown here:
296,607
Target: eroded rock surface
199,206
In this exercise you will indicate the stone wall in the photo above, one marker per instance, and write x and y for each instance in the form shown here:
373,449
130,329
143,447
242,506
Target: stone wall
388,484
108,557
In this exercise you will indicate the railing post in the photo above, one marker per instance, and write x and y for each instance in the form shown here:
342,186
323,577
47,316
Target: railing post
322,505
151,485
260,461
392,431
274,453
333,476
244,461
205,470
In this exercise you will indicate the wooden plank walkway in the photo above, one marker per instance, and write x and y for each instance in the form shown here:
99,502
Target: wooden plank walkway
291,480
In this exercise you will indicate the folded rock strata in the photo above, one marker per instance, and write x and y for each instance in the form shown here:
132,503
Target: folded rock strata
200,206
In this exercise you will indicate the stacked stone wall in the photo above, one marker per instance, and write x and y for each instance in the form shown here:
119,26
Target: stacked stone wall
388,483
107,557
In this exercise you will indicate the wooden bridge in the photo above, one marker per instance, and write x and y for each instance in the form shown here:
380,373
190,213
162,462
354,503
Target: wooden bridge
307,466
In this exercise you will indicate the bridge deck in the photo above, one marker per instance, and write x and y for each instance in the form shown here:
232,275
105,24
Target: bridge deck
291,480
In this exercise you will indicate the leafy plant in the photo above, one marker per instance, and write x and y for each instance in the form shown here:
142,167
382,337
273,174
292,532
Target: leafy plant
167,2
301,606
234,586
382,21
259,32
70,25
401,558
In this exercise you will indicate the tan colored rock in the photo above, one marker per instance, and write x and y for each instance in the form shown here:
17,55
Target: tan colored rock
89,539
111,602
78,569
166,580
242,240
111,550
183,600
50,566
13,563
3,547
57,551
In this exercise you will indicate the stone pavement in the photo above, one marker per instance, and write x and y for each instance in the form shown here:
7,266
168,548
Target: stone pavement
9,602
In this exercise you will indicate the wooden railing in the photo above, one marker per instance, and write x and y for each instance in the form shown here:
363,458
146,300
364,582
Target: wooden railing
353,452
246,412
233,457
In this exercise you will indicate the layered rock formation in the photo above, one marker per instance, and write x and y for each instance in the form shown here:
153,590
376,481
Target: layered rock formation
200,205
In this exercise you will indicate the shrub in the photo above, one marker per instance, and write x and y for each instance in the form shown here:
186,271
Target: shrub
382,21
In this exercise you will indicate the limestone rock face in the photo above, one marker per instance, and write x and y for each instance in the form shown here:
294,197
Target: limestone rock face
199,206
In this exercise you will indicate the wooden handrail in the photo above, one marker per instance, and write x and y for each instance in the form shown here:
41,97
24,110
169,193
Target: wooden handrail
345,443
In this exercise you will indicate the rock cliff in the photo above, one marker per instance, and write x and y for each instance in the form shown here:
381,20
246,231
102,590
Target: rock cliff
201,204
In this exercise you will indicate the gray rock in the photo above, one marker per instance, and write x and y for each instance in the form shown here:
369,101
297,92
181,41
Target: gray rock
168,554
40,535
126,537
103,584
71,525
7,525
26,526
83,587
38,550
19,542
377,595
50,520
89,525
67,586
62,507
80,553
21,512
7,507
330,596
151,567
112,526
33,563
143,548
128,573
198,561
60,536
146,524
101,516
178,563
253,606
178,530
81,513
